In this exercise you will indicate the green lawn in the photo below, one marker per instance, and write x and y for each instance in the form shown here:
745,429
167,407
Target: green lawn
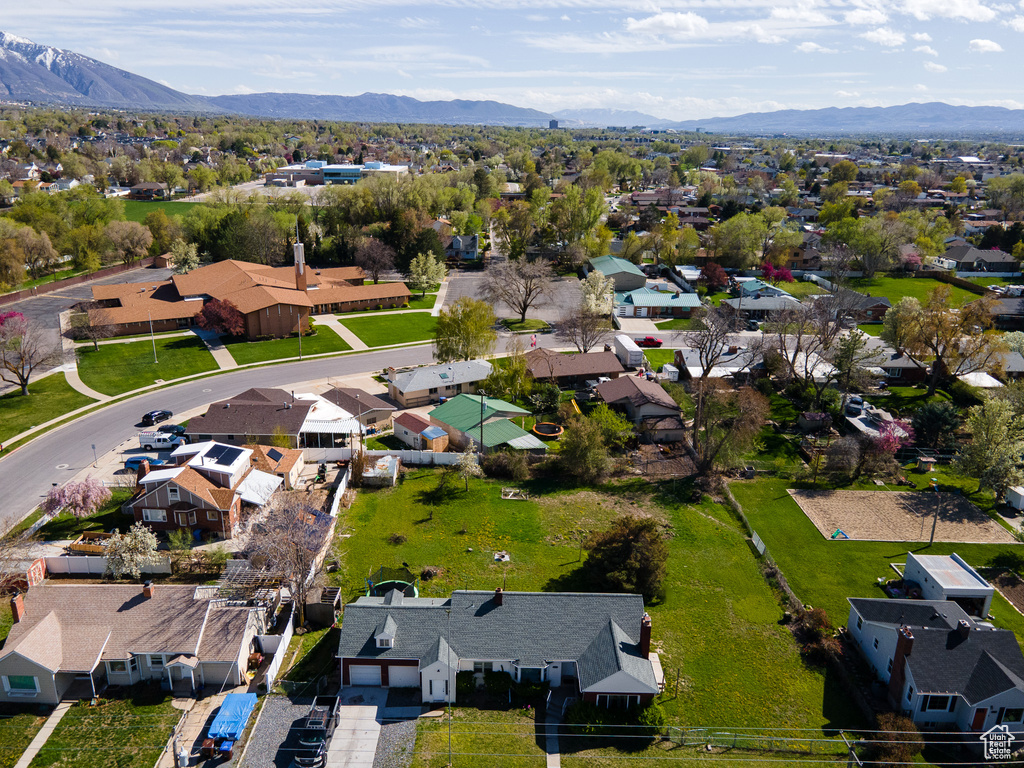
895,288
325,341
717,626
658,357
117,733
315,655
51,278
18,724
47,399
871,329
385,443
506,737
6,619
903,401
679,324
137,210
801,289
392,329
524,326
716,298
824,573
106,518
417,302
117,368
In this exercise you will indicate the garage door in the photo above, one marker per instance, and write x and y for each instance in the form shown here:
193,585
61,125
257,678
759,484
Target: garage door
364,674
404,677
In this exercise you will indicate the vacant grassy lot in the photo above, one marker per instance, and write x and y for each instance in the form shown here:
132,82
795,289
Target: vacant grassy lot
716,627
18,725
871,329
825,573
47,399
1018,280
679,324
895,288
801,289
524,326
392,329
137,210
107,518
117,368
658,357
325,341
117,733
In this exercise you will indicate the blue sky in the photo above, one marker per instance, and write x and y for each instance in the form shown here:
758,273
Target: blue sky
679,59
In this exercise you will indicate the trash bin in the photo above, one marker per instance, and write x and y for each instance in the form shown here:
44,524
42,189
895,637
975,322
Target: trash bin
209,748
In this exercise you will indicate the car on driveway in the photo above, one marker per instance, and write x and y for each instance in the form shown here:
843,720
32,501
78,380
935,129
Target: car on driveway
136,461
155,417
648,341
172,429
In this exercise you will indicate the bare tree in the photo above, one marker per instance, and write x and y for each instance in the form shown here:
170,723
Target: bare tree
711,342
725,422
518,284
582,328
290,542
375,258
23,349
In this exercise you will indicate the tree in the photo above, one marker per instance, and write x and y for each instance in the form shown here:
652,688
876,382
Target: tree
576,214
516,226
129,240
996,449
12,264
184,257
616,429
935,424
468,465
711,341
23,349
628,557
725,422
127,553
164,231
900,323
375,258
509,378
77,498
424,272
221,316
584,455
582,328
713,276
844,170
288,542
518,284
464,331
40,255
850,357
597,293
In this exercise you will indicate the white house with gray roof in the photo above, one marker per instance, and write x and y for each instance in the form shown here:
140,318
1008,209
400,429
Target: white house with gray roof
595,646
428,384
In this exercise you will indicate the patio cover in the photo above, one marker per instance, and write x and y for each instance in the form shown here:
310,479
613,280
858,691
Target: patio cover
258,487
233,715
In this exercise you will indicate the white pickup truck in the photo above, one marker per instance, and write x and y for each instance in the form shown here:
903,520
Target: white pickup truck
160,441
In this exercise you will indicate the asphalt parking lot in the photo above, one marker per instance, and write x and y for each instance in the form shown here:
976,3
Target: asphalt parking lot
565,293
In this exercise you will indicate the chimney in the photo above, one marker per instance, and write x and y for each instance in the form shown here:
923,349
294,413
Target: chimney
18,607
147,589
963,628
645,636
300,267
498,596
904,645
141,472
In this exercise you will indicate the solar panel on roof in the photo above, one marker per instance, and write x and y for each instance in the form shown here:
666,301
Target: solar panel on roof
275,454
444,375
216,452
230,455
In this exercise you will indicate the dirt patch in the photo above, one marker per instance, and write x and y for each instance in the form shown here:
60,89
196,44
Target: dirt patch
663,461
886,516
589,511
1011,587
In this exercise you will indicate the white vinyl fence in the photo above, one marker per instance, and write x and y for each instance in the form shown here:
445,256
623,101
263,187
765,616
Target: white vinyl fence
428,458
93,565
277,645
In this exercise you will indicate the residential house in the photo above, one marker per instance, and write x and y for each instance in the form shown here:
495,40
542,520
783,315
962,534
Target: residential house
72,640
265,415
943,669
286,463
648,406
761,308
275,301
419,434
643,302
967,258
568,371
487,422
733,361
807,255
753,288
1008,314
901,369
368,409
463,247
203,492
625,275
860,307
596,645
949,577
428,384
150,190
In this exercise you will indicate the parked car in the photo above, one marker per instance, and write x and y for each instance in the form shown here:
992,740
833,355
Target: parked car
136,461
173,429
648,341
155,417
312,750
753,325
854,406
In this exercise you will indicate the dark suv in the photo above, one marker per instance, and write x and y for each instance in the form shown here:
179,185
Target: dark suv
312,750
155,417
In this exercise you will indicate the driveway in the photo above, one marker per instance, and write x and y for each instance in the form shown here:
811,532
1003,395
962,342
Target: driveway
354,744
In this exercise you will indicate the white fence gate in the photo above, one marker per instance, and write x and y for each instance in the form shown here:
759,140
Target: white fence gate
428,458
277,645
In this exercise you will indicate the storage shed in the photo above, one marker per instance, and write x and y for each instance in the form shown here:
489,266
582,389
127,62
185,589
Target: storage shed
949,577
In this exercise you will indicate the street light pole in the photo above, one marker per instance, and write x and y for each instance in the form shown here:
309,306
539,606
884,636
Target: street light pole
152,336
448,684
483,395
938,504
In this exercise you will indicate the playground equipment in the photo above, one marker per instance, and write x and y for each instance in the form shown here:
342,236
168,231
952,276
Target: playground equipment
386,579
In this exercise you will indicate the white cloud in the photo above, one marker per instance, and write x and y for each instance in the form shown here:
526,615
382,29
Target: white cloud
885,36
416,22
968,10
847,94
679,25
866,16
921,87
564,17
243,89
1016,23
927,50
922,37
984,46
932,66
810,47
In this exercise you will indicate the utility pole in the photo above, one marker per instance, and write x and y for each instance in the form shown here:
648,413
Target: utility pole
938,505
483,396
448,684
152,336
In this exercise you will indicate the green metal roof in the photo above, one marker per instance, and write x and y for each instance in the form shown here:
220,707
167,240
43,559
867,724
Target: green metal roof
463,413
613,265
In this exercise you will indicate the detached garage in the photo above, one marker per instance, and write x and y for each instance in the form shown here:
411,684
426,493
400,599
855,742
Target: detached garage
389,674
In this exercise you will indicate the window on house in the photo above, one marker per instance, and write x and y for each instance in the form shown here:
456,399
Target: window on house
385,642
482,666
212,514
117,666
617,701
889,667
1012,716
156,661
172,493
133,663
372,421
910,693
860,622
930,703
876,642
154,515
432,391
192,517
21,685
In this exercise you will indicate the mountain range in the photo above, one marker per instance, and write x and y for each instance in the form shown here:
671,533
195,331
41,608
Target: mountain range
43,74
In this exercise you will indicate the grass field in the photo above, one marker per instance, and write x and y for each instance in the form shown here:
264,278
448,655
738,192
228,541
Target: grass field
416,302
325,341
871,329
717,626
392,329
47,399
117,368
117,733
824,573
679,324
895,288
658,357
62,274
524,326
1018,280
801,289
107,518
17,727
136,210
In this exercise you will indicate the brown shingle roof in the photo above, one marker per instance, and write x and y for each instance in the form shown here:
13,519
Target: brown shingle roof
253,412
412,422
265,463
636,390
346,398
544,363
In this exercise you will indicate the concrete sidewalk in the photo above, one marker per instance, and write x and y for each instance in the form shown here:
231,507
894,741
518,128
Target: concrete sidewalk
220,353
44,734
330,321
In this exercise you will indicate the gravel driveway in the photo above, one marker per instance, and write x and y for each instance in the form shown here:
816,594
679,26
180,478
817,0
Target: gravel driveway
273,741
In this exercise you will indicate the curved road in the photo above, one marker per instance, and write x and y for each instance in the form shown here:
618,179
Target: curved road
58,455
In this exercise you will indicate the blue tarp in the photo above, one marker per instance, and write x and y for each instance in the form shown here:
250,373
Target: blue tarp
232,717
